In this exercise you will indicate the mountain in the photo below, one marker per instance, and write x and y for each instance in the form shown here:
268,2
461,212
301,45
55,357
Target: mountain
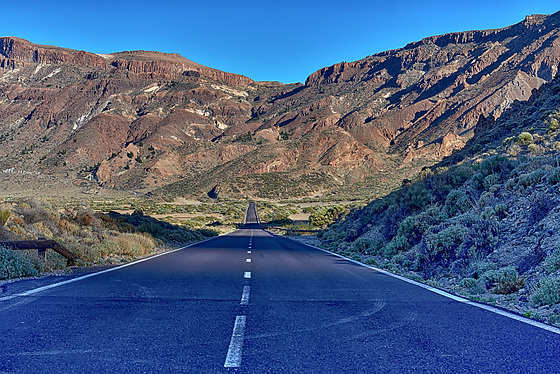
484,222
159,123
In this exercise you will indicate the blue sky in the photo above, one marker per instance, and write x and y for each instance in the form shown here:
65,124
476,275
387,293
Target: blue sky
284,41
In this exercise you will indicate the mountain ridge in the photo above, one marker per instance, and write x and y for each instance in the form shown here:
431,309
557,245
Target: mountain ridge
397,110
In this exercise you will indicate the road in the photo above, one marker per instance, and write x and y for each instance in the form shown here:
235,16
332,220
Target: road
252,302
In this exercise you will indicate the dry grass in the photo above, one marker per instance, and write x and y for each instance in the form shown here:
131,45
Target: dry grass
93,239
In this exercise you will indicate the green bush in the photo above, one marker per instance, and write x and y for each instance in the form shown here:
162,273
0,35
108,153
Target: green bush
324,216
457,202
552,261
503,281
472,286
14,264
488,213
491,180
415,197
441,248
500,165
553,124
547,291
363,245
532,178
525,138
413,227
554,176
4,216
397,244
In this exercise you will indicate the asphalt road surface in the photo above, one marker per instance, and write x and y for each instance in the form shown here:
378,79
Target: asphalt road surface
252,302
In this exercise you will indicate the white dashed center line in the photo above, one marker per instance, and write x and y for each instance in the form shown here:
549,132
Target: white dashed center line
248,260
233,358
248,252
245,295
247,275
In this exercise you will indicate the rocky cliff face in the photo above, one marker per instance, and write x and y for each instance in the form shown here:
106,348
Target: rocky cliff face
426,98
144,119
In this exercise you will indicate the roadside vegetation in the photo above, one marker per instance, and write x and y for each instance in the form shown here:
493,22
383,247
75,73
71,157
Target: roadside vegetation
94,236
484,224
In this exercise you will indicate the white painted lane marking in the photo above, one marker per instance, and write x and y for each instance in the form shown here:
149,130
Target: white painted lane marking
248,252
448,295
248,260
44,288
233,358
247,275
245,295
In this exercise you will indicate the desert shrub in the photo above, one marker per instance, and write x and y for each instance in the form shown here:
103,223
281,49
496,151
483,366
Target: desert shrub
553,123
440,248
123,244
69,228
363,245
389,221
414,197
333,235
413,227
324,216
161,230
532,178
479,239
547,291
14,264
499,165
441,184
135,244
525,138
4,216
503,281
84,217
534,149
510,184
33,215
461,174
351,234
491,180
523,168
457,202
554,176
402,260
485,199
397,244
488,213
472,286
552,261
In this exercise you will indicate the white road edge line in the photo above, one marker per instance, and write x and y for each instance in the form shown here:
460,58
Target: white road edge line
233,358
247,275
460,299
54,285
245,295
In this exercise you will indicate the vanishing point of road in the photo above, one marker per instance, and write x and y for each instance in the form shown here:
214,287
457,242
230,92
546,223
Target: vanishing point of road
253,302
